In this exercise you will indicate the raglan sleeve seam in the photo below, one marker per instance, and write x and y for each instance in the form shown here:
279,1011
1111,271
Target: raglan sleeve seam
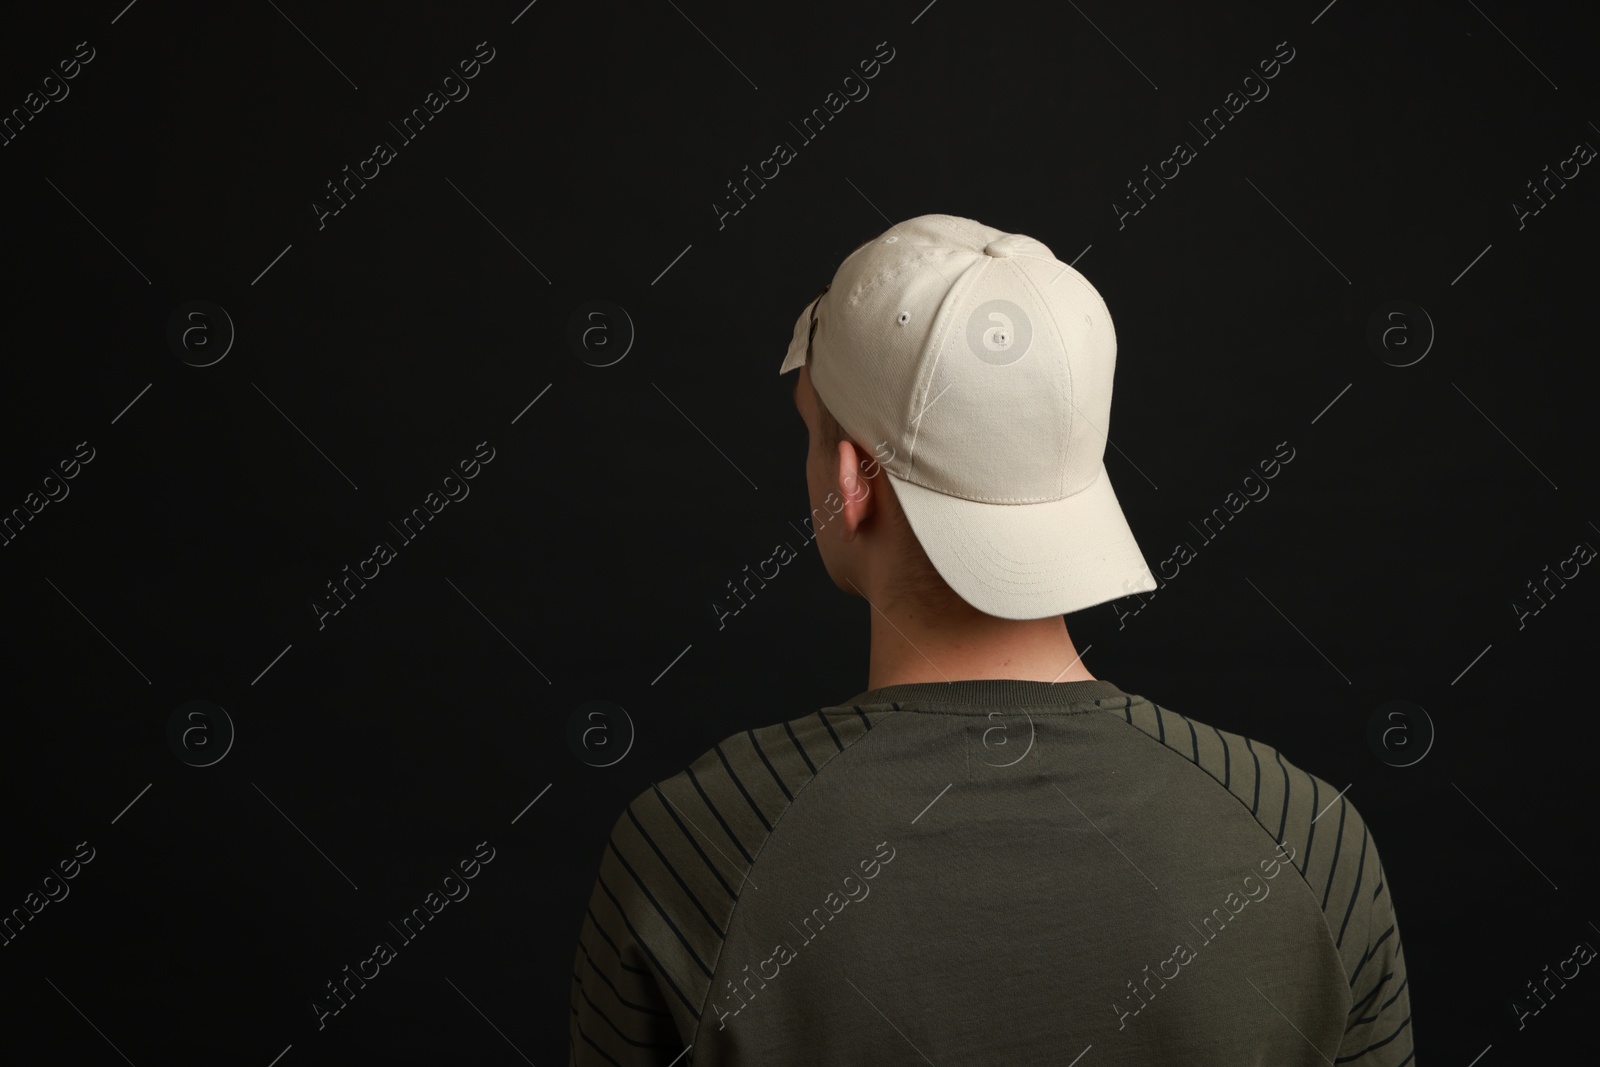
761,849
1396,1036
1379,1038
1265,829
634,985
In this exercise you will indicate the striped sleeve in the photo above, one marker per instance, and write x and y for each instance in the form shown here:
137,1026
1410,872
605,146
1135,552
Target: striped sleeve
1335,854
1379,1031
621,1014
669,879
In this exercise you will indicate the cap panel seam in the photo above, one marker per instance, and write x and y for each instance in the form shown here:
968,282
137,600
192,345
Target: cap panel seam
1064,448
937,336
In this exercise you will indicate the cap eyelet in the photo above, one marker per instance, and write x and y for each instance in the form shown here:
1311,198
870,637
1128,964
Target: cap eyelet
905,317
890,240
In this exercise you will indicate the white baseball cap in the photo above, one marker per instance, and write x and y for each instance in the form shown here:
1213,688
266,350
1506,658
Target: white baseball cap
979,366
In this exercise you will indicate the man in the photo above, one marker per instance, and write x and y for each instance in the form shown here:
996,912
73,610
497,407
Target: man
989,856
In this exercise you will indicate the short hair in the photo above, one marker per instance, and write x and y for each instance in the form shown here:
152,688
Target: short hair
919,582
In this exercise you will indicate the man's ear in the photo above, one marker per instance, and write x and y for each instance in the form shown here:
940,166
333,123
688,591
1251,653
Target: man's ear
856,490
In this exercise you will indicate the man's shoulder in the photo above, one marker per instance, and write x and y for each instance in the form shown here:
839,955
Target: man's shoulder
676,864
731,796
1328,841
772,763
1285,798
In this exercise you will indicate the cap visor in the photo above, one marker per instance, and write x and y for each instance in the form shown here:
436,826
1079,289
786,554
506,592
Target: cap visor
1029,561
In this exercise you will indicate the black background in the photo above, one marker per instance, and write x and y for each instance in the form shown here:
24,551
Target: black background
378,351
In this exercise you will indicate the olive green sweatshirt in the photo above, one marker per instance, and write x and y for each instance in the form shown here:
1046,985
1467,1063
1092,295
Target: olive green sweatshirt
995,872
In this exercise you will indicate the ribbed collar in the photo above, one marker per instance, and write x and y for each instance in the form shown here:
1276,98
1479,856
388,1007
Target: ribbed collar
977,695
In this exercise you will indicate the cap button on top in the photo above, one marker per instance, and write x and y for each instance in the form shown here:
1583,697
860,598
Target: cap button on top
1000,246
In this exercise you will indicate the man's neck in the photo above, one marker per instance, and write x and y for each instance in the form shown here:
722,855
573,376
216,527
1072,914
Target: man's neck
955,645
